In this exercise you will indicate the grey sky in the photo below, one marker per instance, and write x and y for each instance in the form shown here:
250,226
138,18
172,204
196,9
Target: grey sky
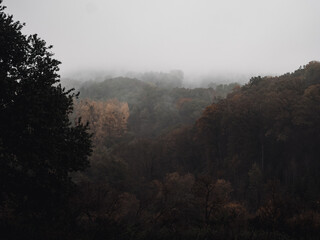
244,36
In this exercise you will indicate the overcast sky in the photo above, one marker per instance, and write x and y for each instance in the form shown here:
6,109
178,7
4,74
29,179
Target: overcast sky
196,36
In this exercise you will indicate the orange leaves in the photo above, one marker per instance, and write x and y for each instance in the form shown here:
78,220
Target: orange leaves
106,119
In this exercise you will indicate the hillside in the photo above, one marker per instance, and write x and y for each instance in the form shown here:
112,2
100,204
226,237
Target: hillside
153,110
248,165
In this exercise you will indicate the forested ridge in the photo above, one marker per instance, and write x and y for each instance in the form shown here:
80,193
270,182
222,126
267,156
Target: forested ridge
247,168
153,109
144,158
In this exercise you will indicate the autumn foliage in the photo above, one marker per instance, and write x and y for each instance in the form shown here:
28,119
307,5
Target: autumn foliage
108,119
226,162
247,169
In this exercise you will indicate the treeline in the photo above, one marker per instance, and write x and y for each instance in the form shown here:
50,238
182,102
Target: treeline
247,169
154,110
271,124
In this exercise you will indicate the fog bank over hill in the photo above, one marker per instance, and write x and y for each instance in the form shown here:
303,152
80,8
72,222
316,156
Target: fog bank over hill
199,37
172,78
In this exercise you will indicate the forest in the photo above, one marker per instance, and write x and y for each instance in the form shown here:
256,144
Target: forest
146,158
164,166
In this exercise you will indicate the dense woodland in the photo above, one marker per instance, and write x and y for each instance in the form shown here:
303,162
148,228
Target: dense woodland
246,167
145,158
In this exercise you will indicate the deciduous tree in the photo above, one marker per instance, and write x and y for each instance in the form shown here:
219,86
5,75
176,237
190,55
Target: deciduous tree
39,146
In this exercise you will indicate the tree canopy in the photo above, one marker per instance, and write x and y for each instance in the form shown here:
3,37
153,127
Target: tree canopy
39,145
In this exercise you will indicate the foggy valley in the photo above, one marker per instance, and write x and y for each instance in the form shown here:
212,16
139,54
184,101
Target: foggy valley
145,119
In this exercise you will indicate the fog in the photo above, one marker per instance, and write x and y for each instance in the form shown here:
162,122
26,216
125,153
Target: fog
205,37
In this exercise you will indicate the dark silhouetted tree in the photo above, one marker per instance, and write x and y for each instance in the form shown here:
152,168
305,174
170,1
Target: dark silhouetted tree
39,146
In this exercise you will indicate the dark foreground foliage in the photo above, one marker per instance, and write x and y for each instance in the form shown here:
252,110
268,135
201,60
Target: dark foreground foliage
38,145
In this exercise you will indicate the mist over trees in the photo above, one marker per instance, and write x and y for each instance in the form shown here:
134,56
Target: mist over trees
246,167
144,157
